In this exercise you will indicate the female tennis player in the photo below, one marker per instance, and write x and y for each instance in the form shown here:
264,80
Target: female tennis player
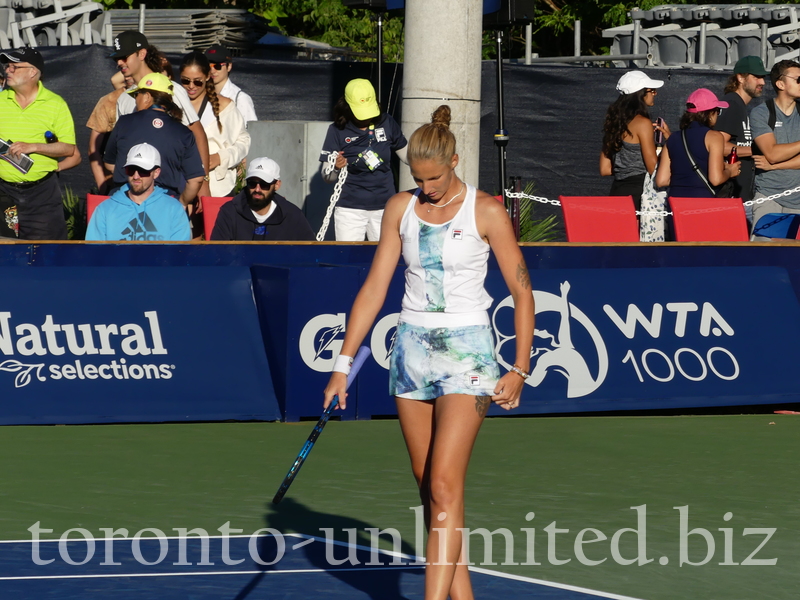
443,370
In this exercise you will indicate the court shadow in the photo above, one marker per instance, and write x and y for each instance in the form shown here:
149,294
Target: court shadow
293,516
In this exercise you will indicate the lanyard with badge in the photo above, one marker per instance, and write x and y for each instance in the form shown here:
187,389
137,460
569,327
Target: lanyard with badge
370,157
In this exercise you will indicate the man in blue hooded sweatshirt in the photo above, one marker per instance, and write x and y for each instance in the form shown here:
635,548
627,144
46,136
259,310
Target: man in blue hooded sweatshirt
140,210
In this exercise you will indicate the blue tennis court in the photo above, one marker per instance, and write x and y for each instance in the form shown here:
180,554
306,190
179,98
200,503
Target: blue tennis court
216,567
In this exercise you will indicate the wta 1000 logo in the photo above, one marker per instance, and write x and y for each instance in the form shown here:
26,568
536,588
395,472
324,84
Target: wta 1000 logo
569,348
21,344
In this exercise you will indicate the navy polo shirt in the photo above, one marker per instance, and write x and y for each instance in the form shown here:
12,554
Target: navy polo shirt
180,159
364,188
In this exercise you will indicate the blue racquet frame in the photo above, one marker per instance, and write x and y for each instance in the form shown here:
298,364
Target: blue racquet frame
358,361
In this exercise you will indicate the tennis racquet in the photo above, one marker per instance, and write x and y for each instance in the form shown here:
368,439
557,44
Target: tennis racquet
358,361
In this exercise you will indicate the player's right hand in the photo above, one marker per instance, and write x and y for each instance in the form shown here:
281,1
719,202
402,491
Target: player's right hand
337,386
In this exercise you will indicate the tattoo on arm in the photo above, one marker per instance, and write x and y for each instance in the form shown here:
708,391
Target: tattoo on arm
482,405
523,276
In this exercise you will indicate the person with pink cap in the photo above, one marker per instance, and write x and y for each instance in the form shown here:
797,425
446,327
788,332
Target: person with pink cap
693,163
629,148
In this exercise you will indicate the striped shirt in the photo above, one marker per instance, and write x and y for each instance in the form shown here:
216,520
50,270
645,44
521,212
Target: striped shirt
48,112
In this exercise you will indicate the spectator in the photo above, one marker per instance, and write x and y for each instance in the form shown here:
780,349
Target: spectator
777,169
157,122
365,138
136,58
228,140
221,64
101,122
140,210
259,213
30,198
706,147
746,83
629,148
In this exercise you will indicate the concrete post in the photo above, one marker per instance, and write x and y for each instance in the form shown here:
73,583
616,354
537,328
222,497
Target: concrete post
443,66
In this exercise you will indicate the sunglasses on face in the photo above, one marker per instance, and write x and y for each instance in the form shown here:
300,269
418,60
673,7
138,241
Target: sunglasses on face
218,66
195,82
254,182
131,170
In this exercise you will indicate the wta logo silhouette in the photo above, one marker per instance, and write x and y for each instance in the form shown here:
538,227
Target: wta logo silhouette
554,349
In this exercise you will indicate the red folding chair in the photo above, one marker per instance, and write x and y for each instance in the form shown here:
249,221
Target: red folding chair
709,220
92,202
211,206
600,218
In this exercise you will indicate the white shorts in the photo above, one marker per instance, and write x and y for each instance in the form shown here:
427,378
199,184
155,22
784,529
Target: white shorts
352,224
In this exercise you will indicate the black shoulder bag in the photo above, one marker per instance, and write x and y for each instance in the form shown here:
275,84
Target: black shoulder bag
724,191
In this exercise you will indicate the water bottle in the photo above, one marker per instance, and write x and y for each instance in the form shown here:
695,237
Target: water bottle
50,137
733,156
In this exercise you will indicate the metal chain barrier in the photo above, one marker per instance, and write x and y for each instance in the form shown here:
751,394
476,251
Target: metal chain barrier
659,213
773,197
337,191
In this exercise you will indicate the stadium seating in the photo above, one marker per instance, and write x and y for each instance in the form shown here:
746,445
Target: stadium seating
778,225
211,206
600,218
92,201
709,220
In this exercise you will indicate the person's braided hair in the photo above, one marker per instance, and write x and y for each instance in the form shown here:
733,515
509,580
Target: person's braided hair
198,59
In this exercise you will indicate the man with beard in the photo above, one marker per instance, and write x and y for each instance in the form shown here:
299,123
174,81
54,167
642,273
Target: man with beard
746,83
259,213
140,210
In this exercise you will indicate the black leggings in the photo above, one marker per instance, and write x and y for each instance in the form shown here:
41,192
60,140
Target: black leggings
630,186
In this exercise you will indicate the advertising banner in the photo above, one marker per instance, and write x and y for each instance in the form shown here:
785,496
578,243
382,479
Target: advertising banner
102,345
628,339
303,310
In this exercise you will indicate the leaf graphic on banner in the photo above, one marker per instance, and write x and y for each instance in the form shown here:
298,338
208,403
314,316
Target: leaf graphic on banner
23,371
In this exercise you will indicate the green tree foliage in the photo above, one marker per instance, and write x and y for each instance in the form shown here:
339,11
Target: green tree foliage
330,22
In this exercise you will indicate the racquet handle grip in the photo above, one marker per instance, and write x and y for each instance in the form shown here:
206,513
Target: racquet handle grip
361,356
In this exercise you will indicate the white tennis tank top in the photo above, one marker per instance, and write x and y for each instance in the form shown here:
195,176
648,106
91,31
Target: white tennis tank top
446,269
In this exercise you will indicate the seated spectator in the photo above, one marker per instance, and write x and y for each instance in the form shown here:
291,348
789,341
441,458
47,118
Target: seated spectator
228,140
140,210
258,213
158,123
705,150
221,64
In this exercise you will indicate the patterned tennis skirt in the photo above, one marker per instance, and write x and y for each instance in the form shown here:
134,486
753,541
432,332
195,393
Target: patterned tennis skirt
427,363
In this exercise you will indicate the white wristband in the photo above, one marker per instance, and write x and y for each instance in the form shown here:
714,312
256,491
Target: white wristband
343,364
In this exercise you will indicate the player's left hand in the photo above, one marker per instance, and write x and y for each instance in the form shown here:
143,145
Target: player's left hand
508,391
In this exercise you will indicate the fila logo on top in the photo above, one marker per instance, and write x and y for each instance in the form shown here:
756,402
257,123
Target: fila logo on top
457,234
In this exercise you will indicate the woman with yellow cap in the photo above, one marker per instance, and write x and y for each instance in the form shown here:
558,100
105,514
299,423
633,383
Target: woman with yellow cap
364,138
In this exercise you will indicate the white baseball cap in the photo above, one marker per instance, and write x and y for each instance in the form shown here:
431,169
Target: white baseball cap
143,155
265,169
633,81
